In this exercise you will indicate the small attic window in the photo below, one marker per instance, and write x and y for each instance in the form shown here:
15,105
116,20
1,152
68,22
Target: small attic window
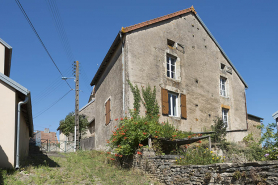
222,66
170,43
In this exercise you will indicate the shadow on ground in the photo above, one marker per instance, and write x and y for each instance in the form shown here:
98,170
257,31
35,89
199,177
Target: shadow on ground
36,158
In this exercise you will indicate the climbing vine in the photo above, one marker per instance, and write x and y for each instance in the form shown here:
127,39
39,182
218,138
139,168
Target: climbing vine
150,103
137,98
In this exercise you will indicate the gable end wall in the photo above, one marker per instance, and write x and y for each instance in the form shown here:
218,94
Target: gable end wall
199,68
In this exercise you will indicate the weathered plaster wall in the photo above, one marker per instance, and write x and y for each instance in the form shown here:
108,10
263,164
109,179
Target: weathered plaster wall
109,86
253,122
7,125
199,70
2,58
89,112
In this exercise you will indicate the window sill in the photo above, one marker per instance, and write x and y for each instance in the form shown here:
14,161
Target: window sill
227,97
175,117
175,80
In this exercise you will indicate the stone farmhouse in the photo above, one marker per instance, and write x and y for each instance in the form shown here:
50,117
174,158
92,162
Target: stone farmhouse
194,78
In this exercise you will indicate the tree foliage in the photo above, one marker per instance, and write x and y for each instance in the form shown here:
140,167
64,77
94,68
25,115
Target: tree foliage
67,125
269,140
220,131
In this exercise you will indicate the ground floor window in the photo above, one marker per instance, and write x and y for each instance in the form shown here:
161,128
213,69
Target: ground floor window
173,102
225,116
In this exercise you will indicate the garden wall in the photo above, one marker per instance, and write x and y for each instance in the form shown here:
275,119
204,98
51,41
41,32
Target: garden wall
88,143
164,169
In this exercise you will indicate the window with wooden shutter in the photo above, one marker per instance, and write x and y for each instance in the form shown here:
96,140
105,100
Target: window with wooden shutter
107,112
183,106
164,100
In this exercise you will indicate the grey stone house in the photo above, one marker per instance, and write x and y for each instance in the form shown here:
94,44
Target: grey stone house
195,80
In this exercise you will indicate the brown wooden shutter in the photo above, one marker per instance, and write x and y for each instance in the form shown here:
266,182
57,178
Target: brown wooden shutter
164,100
107,110
183,106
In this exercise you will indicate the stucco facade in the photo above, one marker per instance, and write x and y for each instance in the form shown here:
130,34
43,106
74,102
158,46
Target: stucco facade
139,54
199,75
89,111
8,124
12,94
7,136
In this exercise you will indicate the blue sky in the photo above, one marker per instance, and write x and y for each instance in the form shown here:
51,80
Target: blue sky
246,30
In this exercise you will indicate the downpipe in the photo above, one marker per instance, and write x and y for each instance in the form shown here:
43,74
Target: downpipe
18,130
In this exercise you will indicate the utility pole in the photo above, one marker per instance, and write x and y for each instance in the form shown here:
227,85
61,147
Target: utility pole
76,104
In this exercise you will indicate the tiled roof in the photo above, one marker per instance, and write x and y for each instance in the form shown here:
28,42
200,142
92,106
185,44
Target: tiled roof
156,20
255,116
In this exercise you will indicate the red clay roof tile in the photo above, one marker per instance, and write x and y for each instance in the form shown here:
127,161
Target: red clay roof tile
156,20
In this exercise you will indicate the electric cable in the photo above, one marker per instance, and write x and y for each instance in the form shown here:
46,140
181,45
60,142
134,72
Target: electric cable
41,112
36,33
63,36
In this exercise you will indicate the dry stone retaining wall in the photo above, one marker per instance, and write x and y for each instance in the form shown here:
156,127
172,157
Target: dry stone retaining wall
166,171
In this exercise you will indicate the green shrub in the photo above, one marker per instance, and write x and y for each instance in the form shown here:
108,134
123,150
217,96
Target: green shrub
219,129
269,140
198,156
133,131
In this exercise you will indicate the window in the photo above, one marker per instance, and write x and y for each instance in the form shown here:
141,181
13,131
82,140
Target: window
170,104
107,112
171,67
223,87
225,116
173,102
222,66
170,43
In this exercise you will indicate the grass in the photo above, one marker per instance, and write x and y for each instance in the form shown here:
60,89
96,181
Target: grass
198,155
83,167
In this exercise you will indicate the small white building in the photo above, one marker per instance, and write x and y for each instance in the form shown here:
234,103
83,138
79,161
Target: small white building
15,112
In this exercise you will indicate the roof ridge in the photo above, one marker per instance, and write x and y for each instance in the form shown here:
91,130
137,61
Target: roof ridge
5,44
158,19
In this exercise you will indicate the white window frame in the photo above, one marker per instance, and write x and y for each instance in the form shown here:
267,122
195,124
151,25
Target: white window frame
172,74
223,83
171,106
225,116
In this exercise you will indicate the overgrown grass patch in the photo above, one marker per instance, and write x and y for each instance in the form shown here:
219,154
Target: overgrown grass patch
83,167
198,155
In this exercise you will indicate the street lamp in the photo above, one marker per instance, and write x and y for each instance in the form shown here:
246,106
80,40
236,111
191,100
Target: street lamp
65,78
75,124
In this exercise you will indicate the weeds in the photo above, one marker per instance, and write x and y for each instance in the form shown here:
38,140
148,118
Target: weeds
198,155
85,167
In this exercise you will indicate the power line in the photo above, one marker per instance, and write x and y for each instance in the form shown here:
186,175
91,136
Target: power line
63,36
41,112
60,28
45,94
33,28
56,83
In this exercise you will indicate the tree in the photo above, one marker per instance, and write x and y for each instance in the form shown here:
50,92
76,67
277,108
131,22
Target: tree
67,125
220,130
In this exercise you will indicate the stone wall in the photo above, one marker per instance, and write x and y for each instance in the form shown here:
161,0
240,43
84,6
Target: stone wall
164,169
88,143
253,122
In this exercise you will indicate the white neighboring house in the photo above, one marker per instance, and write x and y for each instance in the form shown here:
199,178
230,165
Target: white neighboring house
15,112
